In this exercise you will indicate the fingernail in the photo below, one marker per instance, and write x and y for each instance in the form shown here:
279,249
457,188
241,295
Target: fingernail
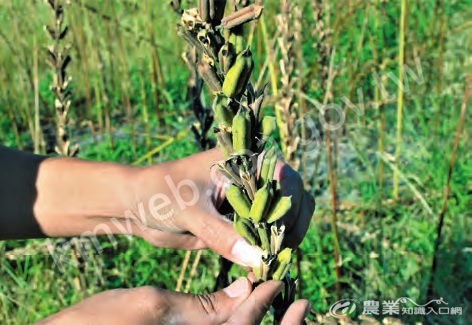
237,288
246,255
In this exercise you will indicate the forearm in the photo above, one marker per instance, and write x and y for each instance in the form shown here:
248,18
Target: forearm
42,196
74,195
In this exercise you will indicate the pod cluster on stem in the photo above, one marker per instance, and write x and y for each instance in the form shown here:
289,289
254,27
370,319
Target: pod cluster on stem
244,131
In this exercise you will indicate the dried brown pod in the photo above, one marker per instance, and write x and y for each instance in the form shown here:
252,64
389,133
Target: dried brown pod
191,19
208,73
224,138
242,16
226,57
204,10
209,43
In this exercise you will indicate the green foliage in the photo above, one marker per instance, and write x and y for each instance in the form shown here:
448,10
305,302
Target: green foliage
386,247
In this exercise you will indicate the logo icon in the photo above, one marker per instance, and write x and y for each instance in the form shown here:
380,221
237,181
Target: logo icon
345,307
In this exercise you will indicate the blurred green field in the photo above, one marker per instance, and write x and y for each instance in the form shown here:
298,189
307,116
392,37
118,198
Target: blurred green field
129,83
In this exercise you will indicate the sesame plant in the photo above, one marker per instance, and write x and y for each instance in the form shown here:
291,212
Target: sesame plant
245,133
58,60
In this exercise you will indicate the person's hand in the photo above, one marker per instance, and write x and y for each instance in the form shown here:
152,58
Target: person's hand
235,304
176,205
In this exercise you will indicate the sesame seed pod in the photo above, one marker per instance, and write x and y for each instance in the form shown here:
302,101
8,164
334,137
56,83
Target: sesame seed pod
257,272
226,169
245,228
242,16
279,209
226,57
264,238
261,203
241,129
277,236
209,75
238,201
208,42
204,10
266,166
282,264
223,112
238,75
224,139
237,39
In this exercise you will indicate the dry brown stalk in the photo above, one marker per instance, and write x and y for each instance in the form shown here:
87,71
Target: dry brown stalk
183,268
58,59
289,30
108,18
157,79
200,129
287,111
37,138
204,116
79,39
193,270
125,82
323,35
101,92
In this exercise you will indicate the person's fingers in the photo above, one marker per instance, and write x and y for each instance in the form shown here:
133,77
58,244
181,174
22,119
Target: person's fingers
164,239
291,184
252,277
295,236
220,236
253,309
213,308
296,313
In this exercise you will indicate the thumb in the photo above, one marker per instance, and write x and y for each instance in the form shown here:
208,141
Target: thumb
220,236
254,308
213,308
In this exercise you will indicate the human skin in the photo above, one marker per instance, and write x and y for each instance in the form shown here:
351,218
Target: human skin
237,304
174,204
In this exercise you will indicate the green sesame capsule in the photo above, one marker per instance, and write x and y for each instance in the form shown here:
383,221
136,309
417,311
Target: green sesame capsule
235,37
282,264
241,129
264,238
238,75
238,201
261,203
281,206
223,112
268,165
245,228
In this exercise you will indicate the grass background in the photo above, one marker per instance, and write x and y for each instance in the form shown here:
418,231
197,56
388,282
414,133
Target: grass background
386,244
